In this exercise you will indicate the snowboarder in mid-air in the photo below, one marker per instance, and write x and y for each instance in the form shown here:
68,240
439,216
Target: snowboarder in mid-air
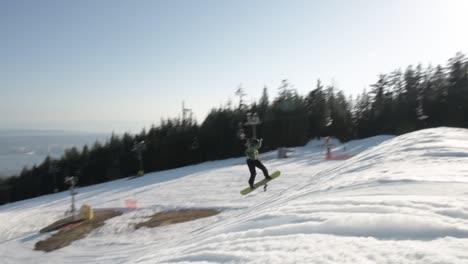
252,160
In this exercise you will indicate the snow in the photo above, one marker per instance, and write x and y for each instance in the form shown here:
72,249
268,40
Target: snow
398,200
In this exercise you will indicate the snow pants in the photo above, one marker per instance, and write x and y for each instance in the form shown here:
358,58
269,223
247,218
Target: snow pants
252,164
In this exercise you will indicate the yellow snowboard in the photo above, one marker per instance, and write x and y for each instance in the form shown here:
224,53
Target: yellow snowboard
247,190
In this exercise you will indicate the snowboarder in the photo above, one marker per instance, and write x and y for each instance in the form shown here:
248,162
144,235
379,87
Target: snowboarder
252,160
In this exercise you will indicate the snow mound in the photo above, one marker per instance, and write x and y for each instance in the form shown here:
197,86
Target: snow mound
410,191
397,200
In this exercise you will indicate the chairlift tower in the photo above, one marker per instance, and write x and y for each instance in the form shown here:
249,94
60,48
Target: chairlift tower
241,132
138,147
72,181
253,120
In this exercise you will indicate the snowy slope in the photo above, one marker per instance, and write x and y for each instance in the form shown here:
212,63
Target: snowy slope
402,201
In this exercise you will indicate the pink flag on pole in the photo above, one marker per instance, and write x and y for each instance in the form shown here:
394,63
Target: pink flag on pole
131,204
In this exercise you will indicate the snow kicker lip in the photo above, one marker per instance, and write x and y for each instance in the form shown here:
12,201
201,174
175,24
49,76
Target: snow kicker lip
380,227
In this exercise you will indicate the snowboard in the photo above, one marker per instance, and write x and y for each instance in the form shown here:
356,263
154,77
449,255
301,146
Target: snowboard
263,182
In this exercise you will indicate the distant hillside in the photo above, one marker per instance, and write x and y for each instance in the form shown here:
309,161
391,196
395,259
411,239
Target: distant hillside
19,148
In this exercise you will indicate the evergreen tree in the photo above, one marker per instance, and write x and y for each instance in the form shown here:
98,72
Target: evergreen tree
263,103
382,107
316,111
457,92
436,98
290,121
398,102
241,93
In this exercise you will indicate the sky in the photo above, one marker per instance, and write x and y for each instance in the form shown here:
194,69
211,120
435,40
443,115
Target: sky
120,66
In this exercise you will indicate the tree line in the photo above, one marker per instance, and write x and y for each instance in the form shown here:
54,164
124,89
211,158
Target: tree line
398,102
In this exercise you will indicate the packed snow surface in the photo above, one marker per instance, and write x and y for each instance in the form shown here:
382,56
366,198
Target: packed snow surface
398,200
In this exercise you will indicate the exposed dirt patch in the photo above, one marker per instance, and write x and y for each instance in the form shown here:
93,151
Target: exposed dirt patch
174,217
72,230
77,230
59,224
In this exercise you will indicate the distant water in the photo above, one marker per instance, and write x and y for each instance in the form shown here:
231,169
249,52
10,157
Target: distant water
19,148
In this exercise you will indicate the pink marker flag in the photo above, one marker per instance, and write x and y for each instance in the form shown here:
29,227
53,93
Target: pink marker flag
131,204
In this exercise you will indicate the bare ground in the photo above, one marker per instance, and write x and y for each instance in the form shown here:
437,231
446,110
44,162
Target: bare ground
66,236
174,217
83,227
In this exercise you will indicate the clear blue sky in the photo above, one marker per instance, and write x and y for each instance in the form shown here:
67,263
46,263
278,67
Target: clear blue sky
121,65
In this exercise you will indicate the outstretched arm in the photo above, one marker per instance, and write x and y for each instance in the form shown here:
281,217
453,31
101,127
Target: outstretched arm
259,145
